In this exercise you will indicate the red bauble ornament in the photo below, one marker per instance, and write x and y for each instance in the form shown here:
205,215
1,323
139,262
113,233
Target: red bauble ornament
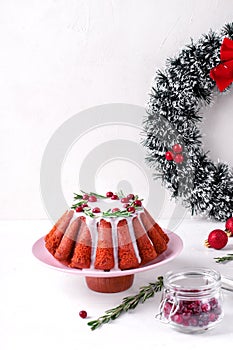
169,155
177,148
179,158
217,239
229,227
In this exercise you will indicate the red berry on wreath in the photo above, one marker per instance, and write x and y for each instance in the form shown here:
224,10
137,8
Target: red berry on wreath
217,239
177,148
169,155
178,158
229,227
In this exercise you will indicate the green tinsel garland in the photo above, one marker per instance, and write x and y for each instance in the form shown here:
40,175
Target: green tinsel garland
173,117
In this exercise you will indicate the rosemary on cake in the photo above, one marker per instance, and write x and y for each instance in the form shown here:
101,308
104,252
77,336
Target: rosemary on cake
128,303
130,204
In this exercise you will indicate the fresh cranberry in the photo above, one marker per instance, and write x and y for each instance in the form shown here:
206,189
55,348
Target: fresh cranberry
84,205
115,210
138,203
109,194
186,315
126,205
125,200
79,209
92,199
86,197
212,317
177,318
206,307
131,196
193,321
167,309
213,303
83,314
96,210
131,210
114,197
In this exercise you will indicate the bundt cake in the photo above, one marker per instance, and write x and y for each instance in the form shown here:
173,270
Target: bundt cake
106,233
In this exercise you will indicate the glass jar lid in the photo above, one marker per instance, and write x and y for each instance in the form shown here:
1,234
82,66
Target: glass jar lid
192,281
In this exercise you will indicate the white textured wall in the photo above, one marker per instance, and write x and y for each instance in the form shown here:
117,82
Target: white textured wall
60,57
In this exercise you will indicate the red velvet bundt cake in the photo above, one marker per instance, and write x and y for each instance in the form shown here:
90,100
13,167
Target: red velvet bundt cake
105,233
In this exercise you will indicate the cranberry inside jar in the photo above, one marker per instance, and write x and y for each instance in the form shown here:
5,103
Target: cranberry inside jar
192,300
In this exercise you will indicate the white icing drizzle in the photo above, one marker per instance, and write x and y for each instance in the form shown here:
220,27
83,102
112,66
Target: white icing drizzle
133,238
92,225
114,223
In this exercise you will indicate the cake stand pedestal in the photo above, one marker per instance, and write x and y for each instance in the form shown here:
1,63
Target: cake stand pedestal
109,284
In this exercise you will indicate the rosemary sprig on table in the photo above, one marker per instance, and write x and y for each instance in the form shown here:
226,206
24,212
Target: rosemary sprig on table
224,259
128,303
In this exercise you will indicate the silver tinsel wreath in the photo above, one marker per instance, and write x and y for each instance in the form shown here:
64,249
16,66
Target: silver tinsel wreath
173,116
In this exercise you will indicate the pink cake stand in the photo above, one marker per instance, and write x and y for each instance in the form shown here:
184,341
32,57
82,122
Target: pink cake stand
112,281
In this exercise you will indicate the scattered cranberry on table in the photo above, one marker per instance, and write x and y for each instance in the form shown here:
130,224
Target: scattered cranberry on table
83,314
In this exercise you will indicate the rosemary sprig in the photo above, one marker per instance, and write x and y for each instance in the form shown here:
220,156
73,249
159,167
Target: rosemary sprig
120,194
224,259
88,212
75,205
128,303
116,214
94,194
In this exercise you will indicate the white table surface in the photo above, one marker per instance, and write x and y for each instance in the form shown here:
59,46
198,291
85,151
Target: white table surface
39,306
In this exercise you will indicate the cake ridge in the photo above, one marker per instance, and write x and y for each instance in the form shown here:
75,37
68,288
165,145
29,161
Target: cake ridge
111,242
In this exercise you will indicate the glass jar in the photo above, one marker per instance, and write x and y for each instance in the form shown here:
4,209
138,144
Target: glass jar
192,300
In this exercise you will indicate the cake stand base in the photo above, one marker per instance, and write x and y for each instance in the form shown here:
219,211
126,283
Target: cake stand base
109,284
